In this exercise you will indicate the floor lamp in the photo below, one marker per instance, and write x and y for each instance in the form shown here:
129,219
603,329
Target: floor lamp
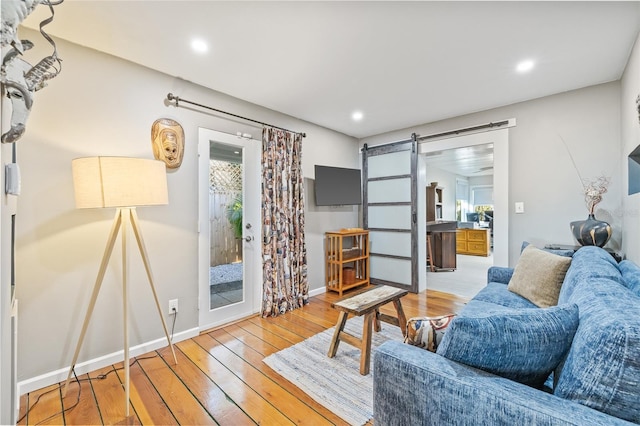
121,183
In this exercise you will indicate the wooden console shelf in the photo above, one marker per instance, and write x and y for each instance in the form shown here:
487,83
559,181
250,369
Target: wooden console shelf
346,259
476,242
434,202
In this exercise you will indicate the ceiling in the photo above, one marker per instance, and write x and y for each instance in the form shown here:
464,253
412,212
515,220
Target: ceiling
400,63
471,161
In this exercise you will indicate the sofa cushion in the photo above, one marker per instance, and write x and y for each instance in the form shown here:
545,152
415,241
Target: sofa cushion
630,275
588,262
497,293
602,368
538,276
524,345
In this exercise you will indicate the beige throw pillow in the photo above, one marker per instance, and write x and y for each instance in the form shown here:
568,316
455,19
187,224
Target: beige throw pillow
538,276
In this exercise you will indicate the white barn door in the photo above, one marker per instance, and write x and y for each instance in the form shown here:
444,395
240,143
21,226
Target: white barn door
390,212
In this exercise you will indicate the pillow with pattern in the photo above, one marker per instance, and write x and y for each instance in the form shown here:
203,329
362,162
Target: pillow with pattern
427,332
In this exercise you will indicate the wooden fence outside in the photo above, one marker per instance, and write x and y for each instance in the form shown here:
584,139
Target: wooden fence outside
225,181
224,246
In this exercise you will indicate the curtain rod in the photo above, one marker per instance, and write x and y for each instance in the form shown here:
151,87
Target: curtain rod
172,97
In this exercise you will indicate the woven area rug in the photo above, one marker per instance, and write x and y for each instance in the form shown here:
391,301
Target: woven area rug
336,382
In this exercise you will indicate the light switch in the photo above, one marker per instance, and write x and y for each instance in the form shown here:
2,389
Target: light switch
519,207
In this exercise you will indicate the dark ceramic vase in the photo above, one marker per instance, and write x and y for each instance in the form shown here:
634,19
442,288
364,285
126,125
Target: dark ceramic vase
591,232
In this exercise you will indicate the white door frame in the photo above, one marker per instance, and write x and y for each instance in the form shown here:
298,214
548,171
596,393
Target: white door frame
500,140
252,273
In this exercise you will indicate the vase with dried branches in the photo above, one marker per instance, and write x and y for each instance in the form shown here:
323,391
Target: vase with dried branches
591,231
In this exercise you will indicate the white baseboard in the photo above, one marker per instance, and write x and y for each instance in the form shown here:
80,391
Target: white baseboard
60,375
317,291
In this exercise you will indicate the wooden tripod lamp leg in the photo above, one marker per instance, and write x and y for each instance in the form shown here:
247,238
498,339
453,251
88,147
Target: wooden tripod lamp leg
147,267
125,307
115,227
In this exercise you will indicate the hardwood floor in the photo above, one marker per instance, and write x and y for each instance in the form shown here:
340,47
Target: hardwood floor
219,379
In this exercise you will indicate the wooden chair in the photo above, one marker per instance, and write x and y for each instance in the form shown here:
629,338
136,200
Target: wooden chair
432,267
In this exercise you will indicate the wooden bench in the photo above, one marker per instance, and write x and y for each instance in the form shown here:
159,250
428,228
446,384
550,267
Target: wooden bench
367,303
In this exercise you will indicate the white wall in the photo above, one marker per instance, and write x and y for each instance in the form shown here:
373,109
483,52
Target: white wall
101,105
480,180
630,132
447,181
540,171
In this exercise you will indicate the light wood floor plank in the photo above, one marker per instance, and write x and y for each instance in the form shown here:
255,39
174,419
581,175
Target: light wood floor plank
251,402
320,321
270,325
249,339
288,404
285,323
109,394
301,321
266,335
184,407
46,406
22,413
212,398
80,397
149,406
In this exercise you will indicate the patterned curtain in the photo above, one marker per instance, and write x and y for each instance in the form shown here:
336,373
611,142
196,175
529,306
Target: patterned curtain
283,251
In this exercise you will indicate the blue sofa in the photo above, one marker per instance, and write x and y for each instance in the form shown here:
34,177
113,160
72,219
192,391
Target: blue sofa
597,382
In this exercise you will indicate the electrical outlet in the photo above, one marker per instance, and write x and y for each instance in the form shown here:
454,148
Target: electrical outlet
173,306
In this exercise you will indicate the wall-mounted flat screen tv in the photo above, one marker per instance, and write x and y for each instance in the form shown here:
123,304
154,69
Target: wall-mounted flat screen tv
337,186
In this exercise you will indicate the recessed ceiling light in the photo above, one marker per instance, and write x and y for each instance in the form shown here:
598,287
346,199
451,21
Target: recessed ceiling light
525,66
199,46
357,115
236,152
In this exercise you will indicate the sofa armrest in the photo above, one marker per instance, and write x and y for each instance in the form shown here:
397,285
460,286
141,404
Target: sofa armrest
413,386
499,274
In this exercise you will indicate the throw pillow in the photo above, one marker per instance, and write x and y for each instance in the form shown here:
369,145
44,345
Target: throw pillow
524,345
538,276
427,332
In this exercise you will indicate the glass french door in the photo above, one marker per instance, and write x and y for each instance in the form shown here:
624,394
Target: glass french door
229,226
390,213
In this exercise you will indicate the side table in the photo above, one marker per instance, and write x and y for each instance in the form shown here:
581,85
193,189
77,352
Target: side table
367,303
614,254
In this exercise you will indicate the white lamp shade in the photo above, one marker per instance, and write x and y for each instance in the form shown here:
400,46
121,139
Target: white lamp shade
119,182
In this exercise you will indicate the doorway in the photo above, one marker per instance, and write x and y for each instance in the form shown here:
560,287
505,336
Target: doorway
229,227
498,139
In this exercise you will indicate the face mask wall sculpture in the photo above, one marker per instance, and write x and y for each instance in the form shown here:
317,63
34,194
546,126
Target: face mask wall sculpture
167,141
19,80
